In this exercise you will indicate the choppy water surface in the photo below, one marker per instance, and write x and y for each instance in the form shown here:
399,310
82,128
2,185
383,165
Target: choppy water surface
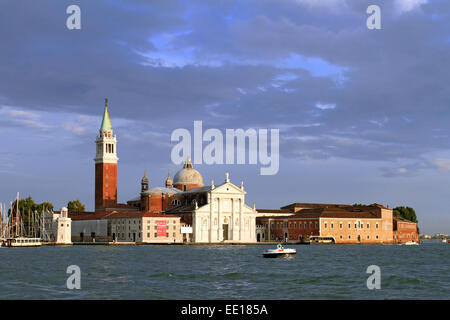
226,272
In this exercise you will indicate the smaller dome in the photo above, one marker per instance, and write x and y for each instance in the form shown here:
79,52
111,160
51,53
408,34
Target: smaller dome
169,180
145,178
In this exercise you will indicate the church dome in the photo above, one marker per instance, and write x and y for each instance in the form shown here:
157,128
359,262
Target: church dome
188,175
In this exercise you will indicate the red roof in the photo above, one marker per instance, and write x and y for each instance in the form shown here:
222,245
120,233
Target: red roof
312,205
117,215
334,212
140,214
274,211
400,219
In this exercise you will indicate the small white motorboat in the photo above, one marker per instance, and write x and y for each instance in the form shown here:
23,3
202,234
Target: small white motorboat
279,252
411,243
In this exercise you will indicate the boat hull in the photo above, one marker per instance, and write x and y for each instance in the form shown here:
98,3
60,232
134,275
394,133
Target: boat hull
278,255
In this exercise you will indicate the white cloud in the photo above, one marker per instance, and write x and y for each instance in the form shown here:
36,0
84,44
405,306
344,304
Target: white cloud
408,5
442,164
16,113
322,3
325,106
22,118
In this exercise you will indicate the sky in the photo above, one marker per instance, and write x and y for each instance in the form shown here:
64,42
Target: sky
363,114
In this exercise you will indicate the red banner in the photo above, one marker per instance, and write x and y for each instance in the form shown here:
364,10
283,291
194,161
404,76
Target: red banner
161,228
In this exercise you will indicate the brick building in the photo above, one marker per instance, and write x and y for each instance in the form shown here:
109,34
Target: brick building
343,224
405,230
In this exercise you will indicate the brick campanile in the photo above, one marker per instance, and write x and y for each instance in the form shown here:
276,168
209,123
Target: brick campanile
106,165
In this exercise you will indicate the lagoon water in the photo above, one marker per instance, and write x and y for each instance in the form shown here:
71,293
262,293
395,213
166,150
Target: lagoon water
226,272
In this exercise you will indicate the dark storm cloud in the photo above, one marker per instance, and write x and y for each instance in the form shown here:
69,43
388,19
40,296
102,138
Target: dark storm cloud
392,103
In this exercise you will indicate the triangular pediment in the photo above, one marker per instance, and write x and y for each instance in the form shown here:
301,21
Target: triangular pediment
228,187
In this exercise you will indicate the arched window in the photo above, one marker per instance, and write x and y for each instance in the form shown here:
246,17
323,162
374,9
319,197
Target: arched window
175,202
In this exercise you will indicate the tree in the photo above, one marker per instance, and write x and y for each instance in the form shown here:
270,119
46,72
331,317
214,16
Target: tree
28,209
28,205
407,213
44,206
75,206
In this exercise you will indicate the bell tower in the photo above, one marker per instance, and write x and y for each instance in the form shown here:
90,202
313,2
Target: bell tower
106,165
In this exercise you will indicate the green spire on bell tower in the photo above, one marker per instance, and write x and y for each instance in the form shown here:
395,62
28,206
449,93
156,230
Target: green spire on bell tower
106,123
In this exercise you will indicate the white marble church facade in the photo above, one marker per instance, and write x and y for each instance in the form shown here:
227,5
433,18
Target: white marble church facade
225,217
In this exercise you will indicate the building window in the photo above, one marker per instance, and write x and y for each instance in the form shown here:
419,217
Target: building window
349,225
340,225
376,236
317,224
376,225
310,225
368,225
349,236
325,225
368,237
332,225
156,234
148,235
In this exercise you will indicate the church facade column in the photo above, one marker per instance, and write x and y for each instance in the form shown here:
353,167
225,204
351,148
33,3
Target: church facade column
240,221
219,221
211,209
232,218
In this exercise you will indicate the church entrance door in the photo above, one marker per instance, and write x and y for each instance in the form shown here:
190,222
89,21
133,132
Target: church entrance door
225,231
